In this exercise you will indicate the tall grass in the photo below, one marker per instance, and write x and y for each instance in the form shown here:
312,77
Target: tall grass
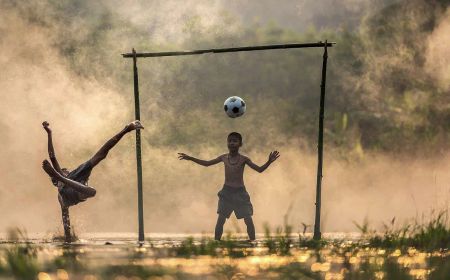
205,246
228,246
281,242
20,257
348,260
69,261
430,235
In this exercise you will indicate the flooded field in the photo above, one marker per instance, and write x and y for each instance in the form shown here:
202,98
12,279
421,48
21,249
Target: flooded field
163,256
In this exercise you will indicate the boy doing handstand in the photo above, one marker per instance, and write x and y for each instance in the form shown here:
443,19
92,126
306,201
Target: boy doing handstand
72,186
234,196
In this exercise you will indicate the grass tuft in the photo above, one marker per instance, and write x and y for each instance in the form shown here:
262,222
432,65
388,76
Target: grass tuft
429,236
21,257
189,247
281,243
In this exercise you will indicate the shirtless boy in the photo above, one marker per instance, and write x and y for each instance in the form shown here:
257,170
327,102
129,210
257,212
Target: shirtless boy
234,196
72,185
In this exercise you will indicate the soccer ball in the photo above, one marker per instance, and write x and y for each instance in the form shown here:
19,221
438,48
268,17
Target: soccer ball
234,106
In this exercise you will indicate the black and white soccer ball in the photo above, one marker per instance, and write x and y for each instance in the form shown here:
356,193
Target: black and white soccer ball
234,106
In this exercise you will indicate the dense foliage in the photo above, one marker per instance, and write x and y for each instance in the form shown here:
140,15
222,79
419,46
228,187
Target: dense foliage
380,96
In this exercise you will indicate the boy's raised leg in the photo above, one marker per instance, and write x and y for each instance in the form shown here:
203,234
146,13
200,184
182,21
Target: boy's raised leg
219,227
86,190
250,228
103,152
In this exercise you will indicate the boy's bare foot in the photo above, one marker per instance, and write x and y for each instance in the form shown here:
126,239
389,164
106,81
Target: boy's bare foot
48,168
134,125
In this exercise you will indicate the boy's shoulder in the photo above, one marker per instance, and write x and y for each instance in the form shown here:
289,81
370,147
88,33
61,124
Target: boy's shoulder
245,157
225,156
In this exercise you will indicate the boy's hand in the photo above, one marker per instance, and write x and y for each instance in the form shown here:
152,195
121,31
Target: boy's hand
46,125
183,156
273,156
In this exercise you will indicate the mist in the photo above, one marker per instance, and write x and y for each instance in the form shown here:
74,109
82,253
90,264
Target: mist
62,63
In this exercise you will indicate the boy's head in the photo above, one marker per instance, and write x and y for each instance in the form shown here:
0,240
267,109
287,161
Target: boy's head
234,141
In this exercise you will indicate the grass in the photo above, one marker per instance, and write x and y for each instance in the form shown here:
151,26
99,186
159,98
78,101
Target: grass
294,271
429,236
69,261
21,257
229,246
206,246
281,243
440,267
227,271
390,254
312,243
132,270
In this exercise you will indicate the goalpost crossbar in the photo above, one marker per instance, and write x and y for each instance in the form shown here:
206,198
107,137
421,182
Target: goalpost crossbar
233,49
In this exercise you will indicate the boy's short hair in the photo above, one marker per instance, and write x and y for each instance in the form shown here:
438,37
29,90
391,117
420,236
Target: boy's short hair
235,134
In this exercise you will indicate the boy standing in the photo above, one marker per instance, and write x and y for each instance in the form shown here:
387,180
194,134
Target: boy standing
72,186
234,196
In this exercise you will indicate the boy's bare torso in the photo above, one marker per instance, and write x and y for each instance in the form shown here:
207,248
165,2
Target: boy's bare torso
234,162
234,169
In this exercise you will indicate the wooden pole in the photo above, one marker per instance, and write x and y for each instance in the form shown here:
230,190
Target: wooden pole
317,233
225,50
138,150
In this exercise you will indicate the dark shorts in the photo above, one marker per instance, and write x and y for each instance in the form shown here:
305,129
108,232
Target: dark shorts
80,174
234,199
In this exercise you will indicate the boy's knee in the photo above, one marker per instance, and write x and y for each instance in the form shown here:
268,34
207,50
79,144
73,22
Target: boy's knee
92,192
221,219
248,220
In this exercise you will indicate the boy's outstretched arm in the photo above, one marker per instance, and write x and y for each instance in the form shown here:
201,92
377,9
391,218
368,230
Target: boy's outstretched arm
182,156
272,157
51,150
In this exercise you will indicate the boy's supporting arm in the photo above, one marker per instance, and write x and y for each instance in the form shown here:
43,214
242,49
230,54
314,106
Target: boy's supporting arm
51,150
66,224
182,156
272,157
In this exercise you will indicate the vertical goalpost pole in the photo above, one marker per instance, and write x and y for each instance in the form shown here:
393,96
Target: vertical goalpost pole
138,151
317,233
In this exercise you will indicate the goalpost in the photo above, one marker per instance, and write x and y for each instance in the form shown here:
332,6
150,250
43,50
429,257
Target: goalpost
135,55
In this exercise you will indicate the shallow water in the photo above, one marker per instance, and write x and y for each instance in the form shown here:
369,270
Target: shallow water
129,237
118,256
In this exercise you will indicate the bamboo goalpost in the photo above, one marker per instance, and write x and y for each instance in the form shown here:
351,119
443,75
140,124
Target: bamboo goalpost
134,55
